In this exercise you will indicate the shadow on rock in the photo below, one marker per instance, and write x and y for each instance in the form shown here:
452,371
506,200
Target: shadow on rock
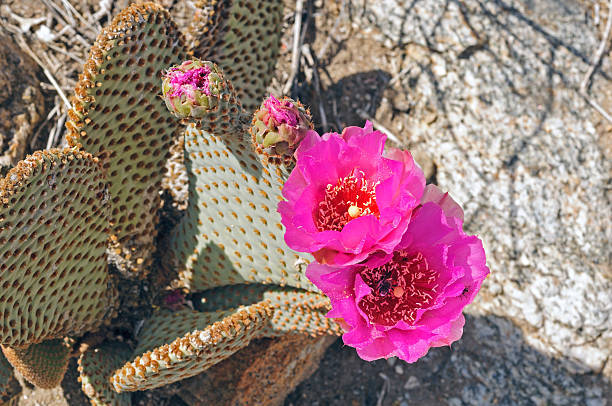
491,364
347,101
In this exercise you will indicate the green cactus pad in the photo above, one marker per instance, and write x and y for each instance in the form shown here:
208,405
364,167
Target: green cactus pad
96,366
118,116
9,387
300,312
53,236
204,339
43,364
293,310
243,37
231,232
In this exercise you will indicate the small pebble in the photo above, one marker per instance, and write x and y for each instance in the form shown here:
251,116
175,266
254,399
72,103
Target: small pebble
399,370
412,383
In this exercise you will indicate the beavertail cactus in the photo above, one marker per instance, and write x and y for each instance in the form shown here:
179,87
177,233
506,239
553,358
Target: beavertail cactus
42,364
278,127
96,365
292,310
227,320
243,38
119,117
231,232
53,234
64,214
177,345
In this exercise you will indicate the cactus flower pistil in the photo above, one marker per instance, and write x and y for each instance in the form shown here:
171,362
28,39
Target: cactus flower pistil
399,288
351,197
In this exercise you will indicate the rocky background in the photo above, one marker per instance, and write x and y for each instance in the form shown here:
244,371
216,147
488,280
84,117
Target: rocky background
491,96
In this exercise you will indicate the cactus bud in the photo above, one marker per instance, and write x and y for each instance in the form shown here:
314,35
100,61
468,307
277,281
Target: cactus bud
278,127
187,88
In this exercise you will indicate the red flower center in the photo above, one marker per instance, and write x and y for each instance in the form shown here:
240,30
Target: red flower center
353,196
399,288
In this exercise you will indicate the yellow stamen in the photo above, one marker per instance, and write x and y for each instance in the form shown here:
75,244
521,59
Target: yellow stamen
398,291
354,211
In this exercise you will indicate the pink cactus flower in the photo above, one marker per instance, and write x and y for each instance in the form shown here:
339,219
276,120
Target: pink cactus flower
186,79
282,112
346,198
404,304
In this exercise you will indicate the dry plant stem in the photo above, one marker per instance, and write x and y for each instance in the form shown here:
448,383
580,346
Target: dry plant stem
22,43
377,125
599,109
295,53
383,390
315,76
105,7
56,131
62,17
74,11
332,34
600,51
584,86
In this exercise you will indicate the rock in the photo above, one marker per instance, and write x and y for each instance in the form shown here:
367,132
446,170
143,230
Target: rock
411,383
261,374
523,152
492,364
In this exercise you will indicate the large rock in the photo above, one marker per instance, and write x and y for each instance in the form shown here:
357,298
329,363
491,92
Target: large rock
493,88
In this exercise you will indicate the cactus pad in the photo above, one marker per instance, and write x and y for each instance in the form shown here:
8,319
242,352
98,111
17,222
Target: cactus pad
293,310
96,365
9,387
118,116
204,340
231,232
44,364
53,236
243,38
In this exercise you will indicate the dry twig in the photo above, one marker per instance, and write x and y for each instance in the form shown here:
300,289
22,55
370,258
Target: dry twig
295,52
584,86
332,34
22,43
384,389
377,125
